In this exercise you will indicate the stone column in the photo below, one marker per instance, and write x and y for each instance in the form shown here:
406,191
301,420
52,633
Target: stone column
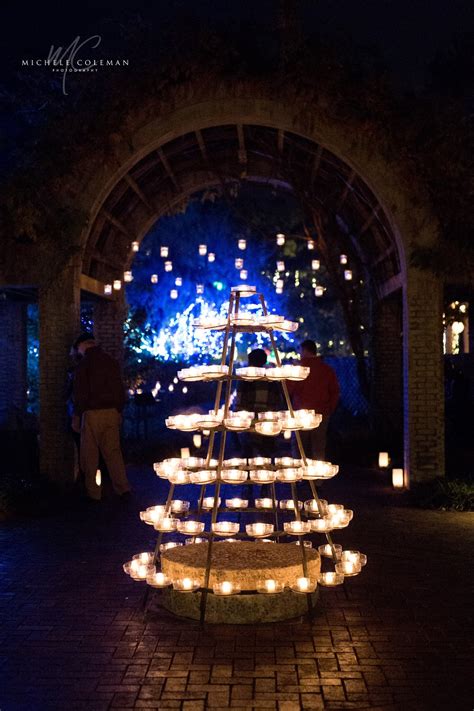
13,380
59,322
109,317
423,376
388,373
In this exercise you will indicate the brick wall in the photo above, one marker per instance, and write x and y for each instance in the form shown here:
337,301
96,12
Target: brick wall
13,380
109,317
423,377
59,316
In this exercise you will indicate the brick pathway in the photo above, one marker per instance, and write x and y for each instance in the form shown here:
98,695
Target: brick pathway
396,637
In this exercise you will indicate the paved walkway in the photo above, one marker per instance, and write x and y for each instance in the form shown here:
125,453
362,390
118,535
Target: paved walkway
396,637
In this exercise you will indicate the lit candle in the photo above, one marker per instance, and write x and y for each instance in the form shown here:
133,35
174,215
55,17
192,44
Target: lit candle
383,460
158,580
98,477
330,579
268,428
223,528
297,528
233,476
179,506
208,502
311,507
264,503
304,585
327,550
310,244
190,526
263,476
348,274
259,529
343,259
144,557
205,476
354,557
259,461
398,478
166,524
117,284
169,545
287,462
128,277
184,452
186,584
290,474
290,504
197,440
225,588
348,568
322,524
269,586
236,503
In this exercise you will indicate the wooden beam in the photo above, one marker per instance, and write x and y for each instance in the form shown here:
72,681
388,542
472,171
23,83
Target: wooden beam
390,286
138,191
346,190
316,163
94,286
281,140
167,168
383,256
119,225
369,221
242,150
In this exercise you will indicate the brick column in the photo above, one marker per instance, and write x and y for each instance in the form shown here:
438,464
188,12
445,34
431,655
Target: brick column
13,380
388,373
423,377
109,317
59,319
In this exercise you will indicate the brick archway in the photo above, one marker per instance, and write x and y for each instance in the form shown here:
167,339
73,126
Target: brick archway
166,156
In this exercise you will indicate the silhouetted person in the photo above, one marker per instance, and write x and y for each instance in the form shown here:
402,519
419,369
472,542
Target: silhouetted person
99,398
318,392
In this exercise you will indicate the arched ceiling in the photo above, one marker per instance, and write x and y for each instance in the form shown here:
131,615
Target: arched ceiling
213,156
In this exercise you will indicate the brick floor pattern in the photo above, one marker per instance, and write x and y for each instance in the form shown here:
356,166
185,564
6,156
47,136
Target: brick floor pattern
73,634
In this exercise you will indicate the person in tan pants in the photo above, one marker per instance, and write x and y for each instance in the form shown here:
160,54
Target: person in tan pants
99,397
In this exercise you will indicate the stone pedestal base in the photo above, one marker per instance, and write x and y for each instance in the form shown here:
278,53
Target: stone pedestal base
237,609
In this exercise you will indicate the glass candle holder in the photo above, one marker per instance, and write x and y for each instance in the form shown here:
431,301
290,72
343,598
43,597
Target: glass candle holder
270,416
167,524
259,461
259,530
237,423
224,528
289,475
348,568
297,528
354,557
142,571
269,586
268,428
178,506
384,460
152,515
262,476
234,463
341,519
330,579
326,551
170,544
226,588
234,476
335,508
311,507
179,477
186,584
322,525
210,421
204,476
158,580
208,502
289,504
146,557
304,585
285,462
236,503
194,539
193,527
250,373
307,544
264,503
316,469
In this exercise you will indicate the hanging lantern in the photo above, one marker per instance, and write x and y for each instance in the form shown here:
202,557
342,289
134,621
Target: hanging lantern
279,290
239,263
280,239
348,274
211,257
319,291
343,259
174,293
164,251
135,246
107,289
202,250
127,277
242,244
117,284
199,288
310,244
243,274
281,266
315,264
168,266
383,460
178,281
279,284
154,278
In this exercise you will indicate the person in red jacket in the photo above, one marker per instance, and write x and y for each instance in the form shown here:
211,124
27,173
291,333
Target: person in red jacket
318,392
99,398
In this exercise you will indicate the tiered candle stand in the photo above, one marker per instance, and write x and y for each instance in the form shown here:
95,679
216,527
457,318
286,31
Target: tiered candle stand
225,572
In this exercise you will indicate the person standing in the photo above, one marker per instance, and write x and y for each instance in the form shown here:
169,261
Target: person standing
318,392
99,398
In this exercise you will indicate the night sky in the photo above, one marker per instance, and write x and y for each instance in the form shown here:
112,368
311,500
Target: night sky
408,33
